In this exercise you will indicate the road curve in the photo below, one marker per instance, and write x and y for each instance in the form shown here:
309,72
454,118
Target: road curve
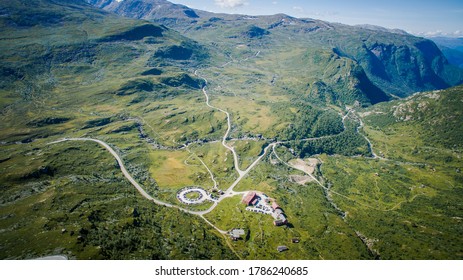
121,166
132,180
224,139
228,193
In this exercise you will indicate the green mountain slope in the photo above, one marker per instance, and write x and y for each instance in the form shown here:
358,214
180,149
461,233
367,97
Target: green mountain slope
383,62
405,203
69,55
68,69
419,149
435,117
381,181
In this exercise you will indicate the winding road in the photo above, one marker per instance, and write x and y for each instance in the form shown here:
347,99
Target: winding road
229,191
138,187
122,167
224,139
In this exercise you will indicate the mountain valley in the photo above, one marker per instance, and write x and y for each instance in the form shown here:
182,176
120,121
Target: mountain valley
134,129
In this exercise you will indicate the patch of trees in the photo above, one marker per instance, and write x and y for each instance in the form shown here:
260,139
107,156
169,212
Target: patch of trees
154,233
347,143
312,122
327,123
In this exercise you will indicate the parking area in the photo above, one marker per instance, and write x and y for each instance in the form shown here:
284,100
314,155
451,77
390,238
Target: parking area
200,195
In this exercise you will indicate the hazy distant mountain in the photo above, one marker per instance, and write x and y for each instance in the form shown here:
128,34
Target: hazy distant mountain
452,49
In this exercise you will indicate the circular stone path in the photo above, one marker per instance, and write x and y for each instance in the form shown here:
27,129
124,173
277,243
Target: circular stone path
182,195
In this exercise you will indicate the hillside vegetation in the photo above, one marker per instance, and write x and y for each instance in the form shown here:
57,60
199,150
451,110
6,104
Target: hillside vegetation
71,70
225,104
342,63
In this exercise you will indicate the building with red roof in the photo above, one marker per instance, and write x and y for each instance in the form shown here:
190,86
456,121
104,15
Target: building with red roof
249,198
275,206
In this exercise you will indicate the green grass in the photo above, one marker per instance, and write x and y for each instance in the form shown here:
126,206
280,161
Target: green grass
78,186
88,197
77,79
248,151
219,160
323,234
407,204
171,171
412,208
193,196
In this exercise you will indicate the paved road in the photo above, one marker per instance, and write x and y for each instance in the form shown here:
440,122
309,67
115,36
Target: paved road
182,196
370,145
244,173
228,193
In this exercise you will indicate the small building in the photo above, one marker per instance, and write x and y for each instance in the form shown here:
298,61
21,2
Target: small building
281,221
282,248
277,213
275,206
249,197
236,234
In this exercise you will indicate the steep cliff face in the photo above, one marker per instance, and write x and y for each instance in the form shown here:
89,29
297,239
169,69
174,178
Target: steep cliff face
399,64
343,81
408,68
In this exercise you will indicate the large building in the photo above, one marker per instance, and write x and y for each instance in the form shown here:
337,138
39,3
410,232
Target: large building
250,198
